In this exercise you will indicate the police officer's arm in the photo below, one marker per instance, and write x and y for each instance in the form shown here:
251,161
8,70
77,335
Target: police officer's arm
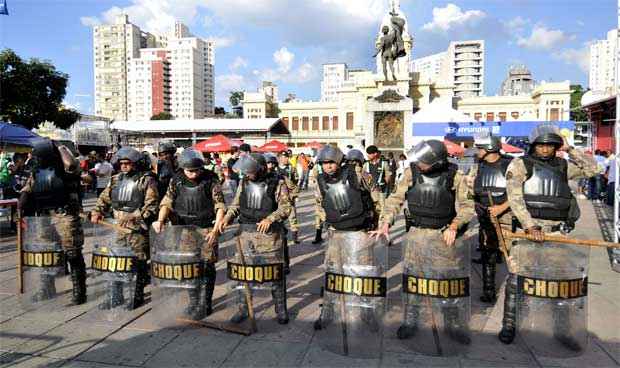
318,205
70,163
470,178
284,204
165,206
516,174
293,189
394,202
373,189
150,208
24,195
464,201
104,201
233,209
219,205
580,164
387,172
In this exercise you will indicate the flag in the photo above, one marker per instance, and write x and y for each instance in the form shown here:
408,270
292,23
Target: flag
3,8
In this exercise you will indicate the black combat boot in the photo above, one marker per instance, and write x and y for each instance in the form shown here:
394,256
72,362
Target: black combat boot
410,322
141,281
78,276
488,276
326,316
210,274
47,289
509,323
278,292
562,329
114,297
318,238
455,326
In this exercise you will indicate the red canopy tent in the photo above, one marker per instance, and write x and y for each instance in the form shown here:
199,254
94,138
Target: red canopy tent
217,143
313,144
273,146
453,148
509,148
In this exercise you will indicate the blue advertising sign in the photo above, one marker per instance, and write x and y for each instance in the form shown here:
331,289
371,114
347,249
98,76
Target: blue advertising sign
498,128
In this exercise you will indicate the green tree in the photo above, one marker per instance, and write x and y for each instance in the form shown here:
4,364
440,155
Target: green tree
219,111
32,92
162,116
576,112
235,98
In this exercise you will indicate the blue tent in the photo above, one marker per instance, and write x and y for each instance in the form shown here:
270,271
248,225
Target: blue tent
14,134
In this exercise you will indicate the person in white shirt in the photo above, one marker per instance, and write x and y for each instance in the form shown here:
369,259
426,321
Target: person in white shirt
103,170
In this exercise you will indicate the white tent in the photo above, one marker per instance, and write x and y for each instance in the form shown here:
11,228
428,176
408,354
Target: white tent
439,111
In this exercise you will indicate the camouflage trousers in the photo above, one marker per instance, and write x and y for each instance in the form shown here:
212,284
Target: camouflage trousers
136,238
68,229
350,248
292,218
208,252
259,248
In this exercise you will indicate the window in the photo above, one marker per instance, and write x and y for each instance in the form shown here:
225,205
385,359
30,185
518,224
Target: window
554,114
304,123
477,116
285,122
515,115
325,123
502,116
349,121
295,123
334,123
315,123
490,116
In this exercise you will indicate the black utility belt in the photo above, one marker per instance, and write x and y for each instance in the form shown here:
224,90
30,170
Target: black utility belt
177,271
553,289
256,274
117,264
436,288
364,286
43,259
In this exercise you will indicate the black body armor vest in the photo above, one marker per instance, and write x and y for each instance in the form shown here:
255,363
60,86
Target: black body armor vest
546,192
126,195
258,199
346,204
194,204
49,191
431,199
491,178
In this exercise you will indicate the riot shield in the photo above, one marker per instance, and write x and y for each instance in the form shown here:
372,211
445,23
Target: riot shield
177,272
43,263
255,296
435,312
354,295
553,294
113,265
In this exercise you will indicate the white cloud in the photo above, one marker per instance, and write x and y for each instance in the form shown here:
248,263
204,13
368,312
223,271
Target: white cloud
238,63
543,38
451,16
221,41
283,59
90,21
580,23
517,24
579,57
224,84
82,95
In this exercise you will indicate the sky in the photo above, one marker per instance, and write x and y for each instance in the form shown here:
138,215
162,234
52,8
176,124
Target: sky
288,41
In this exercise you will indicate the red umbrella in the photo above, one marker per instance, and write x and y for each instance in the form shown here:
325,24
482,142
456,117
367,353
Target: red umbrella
273,146
217,143
314,144
453,148
509,148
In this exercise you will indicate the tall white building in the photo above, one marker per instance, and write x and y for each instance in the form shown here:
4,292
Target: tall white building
334,76
429,67
518,82
603,63
181,68
462,65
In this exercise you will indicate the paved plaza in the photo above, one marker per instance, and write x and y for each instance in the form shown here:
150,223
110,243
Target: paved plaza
69,337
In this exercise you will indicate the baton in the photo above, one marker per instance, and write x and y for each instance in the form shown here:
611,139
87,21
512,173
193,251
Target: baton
563,239
248,293
217,326
499,232
116,227
20,261
343,311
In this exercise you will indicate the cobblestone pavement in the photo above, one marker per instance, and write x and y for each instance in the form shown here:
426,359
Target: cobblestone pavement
70,337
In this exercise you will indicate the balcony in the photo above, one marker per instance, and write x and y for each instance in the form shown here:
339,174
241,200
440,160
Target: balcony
467,71
468,56
468,49
468,63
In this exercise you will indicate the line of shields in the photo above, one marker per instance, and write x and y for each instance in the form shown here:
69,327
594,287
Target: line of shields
428,310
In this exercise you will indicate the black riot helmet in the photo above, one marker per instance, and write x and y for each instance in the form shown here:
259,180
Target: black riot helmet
355,155
329,153
488,142
128,153
44,153
430,152
251,164
166,146
191,159
271,158
546,133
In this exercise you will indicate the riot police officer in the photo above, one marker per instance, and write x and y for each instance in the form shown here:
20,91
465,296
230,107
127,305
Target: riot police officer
487,181
356,158
262,203
133,197
542,202
432,188
194,197
286,170
167,165
53,190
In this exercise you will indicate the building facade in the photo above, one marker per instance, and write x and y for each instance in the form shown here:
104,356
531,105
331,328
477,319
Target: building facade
177,69
518,82
603,64
334,76
429,67
262,103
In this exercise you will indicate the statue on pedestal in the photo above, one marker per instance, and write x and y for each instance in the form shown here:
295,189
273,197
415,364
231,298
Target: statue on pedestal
391,45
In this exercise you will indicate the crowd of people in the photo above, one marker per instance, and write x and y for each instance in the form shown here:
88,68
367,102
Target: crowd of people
357,198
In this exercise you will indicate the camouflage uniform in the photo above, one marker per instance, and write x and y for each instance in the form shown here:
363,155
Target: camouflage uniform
137,239
292,179
381,173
